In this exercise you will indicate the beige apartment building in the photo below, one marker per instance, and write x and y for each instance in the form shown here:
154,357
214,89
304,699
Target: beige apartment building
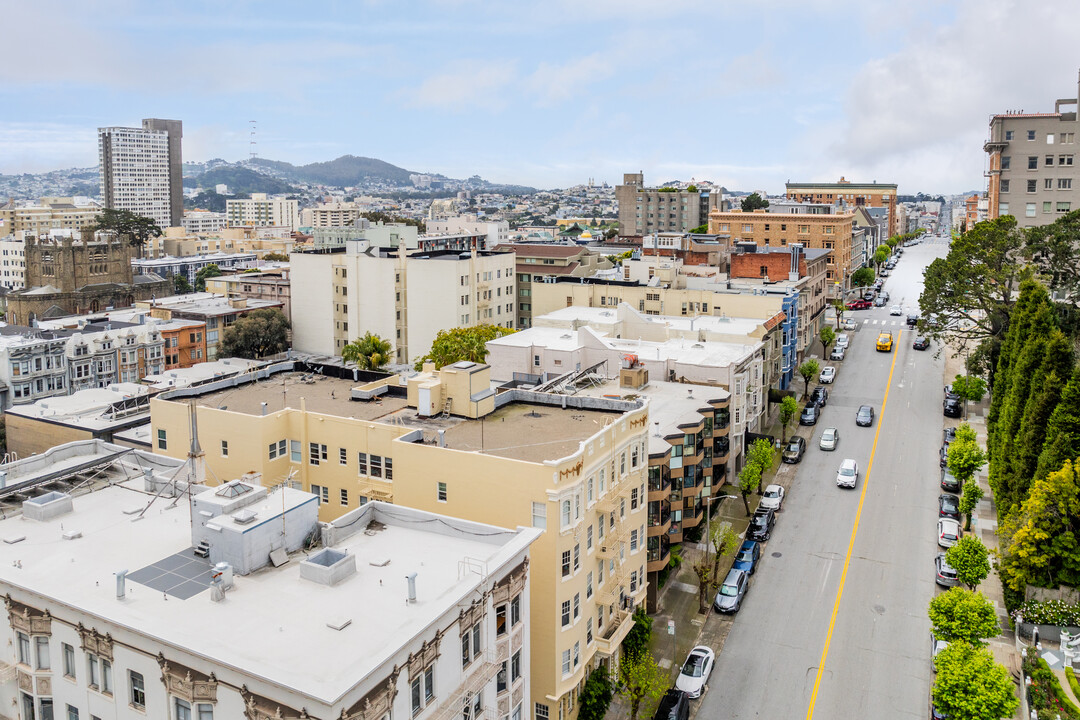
261,210
334,214
542,263
46,215
845,192
829,230
405,297
264,285
1032,164
574,467
645,210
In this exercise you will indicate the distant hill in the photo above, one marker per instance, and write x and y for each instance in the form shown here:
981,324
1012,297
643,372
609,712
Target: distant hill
241,181
346,171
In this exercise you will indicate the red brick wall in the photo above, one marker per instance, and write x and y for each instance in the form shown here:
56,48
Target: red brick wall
748,265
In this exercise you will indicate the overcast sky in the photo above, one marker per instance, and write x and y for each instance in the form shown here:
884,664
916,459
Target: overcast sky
748,94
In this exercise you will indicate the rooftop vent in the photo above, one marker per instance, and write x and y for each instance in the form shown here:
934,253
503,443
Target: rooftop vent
47,506
233,489
328,567
244,517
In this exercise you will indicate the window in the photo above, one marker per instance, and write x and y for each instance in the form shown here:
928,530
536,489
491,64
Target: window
515,610
344,499
588,585
72,713
588,632
1004,185
500,620
422,689
343,456
566,662
41,650
361,462
1063,207
24,648
577,606
1065,138
138,689
577,557
633,540
1064,183
565,516
1049,138
1030,134
1008,134
162,441
69,660
316,453
566,563
1006,161
1029,210
539,515
441,492
500,678
1048,183
577,653
388,466
566,613
224,448
515,666
588,538
1032,185
376,466
321,492
1065,160
1033,162
634,499
1049,161
182,708
541,712
1047,206
470,645
277,450
1003,209
294,451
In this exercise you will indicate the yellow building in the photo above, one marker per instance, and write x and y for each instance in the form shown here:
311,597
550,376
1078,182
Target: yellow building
47,214
444,441
827,230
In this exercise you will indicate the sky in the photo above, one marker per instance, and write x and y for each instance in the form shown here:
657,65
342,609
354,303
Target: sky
551,94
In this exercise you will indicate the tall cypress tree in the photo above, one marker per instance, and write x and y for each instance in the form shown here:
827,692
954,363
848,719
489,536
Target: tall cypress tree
1062,440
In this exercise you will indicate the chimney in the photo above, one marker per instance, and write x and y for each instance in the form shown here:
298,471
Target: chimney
264,408
121,588
442,438
411,578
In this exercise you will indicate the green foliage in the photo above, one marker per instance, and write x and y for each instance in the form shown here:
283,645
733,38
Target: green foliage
691,188
762,454
1040,545
863,277
749,481
275,257
970,290
210,271
376,216
641,682
136,228
827,336
181,284
700,229
809,370
971,686
753,202
881,255
637,638
965,456
1048,612
241,181
369,352
960,615
463,343
256,335
1062,437
969,388
788,409
1045,694
1073,685
596,695
667,190
970,496
970,559
1053,249
345,171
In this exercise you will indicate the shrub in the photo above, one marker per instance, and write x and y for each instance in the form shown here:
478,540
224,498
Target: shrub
1048,612
596,695
1045,693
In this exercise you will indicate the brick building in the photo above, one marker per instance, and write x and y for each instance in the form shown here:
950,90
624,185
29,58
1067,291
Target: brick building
845,192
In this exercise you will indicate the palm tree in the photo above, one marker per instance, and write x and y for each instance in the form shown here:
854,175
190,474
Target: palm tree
370,352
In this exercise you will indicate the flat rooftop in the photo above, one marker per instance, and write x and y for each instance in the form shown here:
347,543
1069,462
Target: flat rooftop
88,408
317,393
253,629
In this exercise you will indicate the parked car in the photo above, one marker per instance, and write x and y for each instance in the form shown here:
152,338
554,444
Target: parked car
848,474
948,532
696,670
675,705
761,525
936,646
810,415
948,506
951,407
773,497
920,343
794,450
865,416
748,556
880,301
912,320
843,340
828,374
948,435
732,591
830,437
837,353
896,310
850,324
868,296
945,576
819,396
949,483
859,304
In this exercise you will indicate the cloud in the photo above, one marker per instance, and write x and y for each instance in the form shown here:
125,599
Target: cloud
469,84
41,147
555,84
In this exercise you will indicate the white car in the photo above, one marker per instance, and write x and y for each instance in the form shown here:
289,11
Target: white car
848,474
828,374
948,532
695,671
843,340
850,324
773,498
829,439
896,310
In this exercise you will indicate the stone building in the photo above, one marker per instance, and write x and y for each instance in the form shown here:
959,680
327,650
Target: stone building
69,277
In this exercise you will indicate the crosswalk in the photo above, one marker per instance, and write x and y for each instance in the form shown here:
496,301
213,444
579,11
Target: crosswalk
885,323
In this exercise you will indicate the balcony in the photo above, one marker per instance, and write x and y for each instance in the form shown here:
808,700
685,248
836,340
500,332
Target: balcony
659,524
614,632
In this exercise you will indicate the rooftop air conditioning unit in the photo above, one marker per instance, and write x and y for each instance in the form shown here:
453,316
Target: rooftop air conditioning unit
244,517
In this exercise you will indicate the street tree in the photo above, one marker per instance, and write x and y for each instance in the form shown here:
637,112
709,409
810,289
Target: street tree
369,352
969,388
256,335
1055,250
641,682
723,541
960,615
1040,545
971,686
462,343
970,496
863,277
827,336
965,456
970,559
124,223
762,453
749,481
181,284
809,370
881,255
209,271
789,408
753,202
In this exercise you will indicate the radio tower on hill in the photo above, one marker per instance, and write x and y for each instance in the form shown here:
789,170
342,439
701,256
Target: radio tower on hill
251,143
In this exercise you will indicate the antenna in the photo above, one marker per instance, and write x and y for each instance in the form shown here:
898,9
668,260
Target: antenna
251,143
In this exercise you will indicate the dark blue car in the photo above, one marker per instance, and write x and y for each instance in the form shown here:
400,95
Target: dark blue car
748,556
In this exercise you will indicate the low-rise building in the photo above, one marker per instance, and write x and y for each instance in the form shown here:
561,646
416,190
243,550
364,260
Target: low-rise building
45,216
188,267
329,215
442,440
850,194
690,248
497,231
109,633
262,210
200,222
216,312
13,261
643,210
263,285
540,263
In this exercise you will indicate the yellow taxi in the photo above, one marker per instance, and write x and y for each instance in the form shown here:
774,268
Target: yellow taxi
884,342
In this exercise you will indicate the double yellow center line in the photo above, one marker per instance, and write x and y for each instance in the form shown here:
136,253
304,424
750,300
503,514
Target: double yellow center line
854,531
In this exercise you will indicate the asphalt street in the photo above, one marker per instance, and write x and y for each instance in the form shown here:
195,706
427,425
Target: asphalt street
879,537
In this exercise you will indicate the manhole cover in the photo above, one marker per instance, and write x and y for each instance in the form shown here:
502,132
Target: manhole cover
776,554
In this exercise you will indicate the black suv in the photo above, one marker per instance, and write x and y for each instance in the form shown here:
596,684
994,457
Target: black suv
819,397
912,320
761,525
675,705
951,407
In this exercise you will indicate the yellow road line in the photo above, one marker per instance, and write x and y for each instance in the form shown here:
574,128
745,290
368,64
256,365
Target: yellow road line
854,531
